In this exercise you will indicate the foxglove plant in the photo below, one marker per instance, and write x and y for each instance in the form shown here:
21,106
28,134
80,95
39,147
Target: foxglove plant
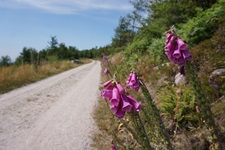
106,71
177,52
113,147
120,102
133,82
176,49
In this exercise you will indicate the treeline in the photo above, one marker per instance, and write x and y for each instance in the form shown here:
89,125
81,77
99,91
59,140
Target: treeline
54,51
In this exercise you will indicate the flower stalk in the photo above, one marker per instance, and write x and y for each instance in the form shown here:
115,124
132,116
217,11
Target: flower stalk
204,104
153,113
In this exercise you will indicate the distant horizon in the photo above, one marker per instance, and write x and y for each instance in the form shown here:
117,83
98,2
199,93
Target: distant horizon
82,24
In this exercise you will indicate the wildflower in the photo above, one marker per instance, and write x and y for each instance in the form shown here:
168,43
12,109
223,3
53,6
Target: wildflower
120,88
127,106
107,94
105,57
136,105
133,82
109,85
115,97
178,91
120,102
176,49
106,71
113,147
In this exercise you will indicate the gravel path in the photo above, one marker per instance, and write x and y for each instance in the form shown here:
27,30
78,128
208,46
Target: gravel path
52,114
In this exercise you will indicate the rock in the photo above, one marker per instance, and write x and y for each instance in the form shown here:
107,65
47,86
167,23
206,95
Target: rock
214,77
192,141
180,79
75,61
162,81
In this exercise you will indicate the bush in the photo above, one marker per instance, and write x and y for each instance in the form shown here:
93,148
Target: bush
203,25
180,109
156,50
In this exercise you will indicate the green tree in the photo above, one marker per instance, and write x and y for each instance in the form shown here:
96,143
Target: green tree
52,49
28,55
5,61
123,33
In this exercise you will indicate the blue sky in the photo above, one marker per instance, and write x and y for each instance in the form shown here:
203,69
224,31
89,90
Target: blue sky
81,23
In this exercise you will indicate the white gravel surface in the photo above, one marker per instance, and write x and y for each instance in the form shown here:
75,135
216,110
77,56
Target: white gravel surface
52,114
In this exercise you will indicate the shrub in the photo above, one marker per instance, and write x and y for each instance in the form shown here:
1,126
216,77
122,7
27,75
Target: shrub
203,25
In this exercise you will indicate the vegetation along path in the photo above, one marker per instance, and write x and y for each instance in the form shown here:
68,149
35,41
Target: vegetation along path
54,113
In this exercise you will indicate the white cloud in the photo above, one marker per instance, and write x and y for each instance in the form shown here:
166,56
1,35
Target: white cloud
69,6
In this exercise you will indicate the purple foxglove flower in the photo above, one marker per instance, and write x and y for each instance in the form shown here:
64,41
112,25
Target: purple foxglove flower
168,36
176,49
120,88
169,47
120,113
181,44
115,97
180,61
133,82
126,106
105,57
177,53
106,71
187,55
108,85
169,53
113,147
117,110
114,108
135,103
107,94
129,77
172,40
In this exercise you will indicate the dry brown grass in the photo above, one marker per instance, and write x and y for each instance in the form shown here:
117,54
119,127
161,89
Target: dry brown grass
12,77
101,138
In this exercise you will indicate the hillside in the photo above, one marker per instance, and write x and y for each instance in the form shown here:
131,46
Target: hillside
182,104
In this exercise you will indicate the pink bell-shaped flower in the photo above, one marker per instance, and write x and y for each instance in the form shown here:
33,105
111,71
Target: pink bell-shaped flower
135,103
177,53
107,94
113,147
120,88
180,61
169,47
187,55
126,106
133,82
181,44
108,85
115,97
106,71
117,110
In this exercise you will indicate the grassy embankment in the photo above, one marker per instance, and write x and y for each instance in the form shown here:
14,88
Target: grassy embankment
12,77
184,124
